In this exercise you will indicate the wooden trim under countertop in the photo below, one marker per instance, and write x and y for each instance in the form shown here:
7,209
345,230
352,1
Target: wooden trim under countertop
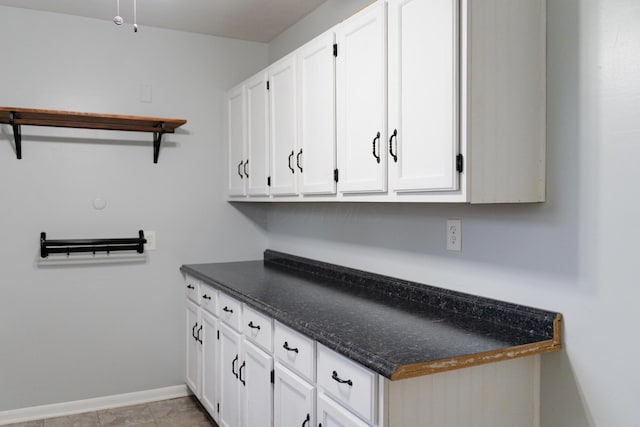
443,365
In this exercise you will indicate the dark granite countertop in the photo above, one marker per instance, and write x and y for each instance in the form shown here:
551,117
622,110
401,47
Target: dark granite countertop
397,328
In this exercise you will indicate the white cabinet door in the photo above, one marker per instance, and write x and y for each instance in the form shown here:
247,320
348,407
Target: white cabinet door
236,143
210,362
255,376
423,95
194,350
332,414
256,168
362,101
294,404
229,377
316,156
284,126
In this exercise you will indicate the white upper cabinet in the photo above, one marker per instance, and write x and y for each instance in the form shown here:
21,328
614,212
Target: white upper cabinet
316,156
284,126
236,143
257,162
423,95
407,100
362,101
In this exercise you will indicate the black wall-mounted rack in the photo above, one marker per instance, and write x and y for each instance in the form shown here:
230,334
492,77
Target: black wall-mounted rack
17,117
90,245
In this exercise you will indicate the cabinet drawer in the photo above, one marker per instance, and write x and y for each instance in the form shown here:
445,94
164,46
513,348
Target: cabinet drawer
295,350
258,328
209,299
230,311
192,289
348,382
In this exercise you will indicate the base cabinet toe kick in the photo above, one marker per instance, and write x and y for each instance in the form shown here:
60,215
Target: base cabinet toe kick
250,369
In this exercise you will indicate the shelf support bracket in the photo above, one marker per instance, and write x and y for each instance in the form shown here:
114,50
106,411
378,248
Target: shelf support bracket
17,134
157,139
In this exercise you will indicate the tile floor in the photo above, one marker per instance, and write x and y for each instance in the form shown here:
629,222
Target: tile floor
182,412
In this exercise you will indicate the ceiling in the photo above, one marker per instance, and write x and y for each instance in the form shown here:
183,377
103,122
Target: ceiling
255,20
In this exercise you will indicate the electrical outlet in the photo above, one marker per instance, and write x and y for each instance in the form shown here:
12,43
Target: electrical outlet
151,240
454,235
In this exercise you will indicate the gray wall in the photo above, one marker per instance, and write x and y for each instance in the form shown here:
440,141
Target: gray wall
67,331
575,253
325,16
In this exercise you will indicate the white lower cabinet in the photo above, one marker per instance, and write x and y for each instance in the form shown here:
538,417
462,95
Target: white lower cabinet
194,349
230,391
332,414
249,373
257,389
294,399
209,386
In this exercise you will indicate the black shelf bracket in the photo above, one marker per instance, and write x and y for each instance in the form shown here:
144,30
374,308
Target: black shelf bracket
157,139
17,134
90,245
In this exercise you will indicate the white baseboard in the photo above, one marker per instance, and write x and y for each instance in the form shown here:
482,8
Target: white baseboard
89,405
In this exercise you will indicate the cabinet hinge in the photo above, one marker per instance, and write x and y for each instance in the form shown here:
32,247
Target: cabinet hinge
267,84
218,334
335,175
268,181
273,376
459,163
335,50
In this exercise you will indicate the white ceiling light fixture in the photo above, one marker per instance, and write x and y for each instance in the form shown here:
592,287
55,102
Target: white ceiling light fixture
118,20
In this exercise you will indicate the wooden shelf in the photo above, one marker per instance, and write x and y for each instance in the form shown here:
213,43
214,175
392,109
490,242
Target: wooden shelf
17,117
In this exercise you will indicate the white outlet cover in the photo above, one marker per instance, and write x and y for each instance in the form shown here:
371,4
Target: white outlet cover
454,235
151,240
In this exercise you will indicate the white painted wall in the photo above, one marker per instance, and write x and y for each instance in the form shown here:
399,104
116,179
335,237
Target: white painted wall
576,253
325,16
75,332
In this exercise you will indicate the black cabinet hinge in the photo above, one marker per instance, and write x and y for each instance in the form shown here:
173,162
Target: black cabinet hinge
335,50
218,333
273,376
268,181
459,163
267,84
335,175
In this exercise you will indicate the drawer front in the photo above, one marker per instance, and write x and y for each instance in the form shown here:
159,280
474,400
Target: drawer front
295,350
192,289
258,328
349,383
209,299
230,311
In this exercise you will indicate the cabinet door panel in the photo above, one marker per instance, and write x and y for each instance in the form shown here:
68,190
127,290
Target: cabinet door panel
317,131
210,362
229,377
423,91
283,116
194,351
236,134
293,399
257,136
332,414
258,393
361,99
